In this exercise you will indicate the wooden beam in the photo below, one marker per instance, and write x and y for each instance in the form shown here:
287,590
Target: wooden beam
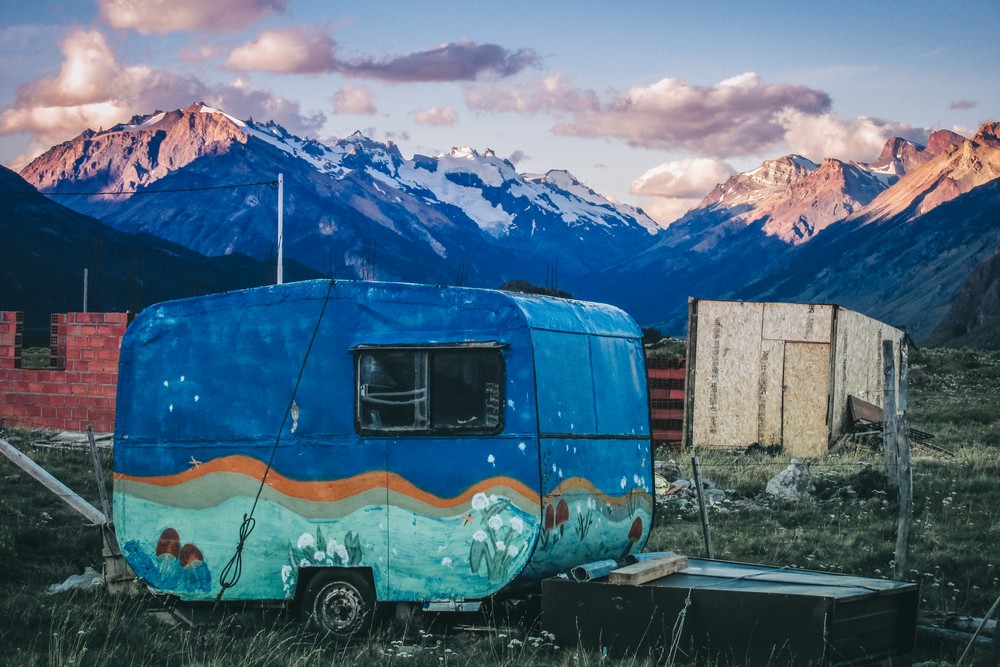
648,570
67,495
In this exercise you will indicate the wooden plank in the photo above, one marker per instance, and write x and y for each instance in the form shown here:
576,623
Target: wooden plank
804,429
647,570
67,495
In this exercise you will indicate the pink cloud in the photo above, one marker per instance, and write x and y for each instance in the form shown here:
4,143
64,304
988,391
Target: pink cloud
962,105
738,116
354,100
162,16
684,179
437,116
93,89
550,94
298,50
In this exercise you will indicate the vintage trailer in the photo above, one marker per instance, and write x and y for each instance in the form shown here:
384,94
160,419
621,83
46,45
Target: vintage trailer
779,373
383,441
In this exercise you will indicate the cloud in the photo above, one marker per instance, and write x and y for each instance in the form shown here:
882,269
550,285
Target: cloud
437,116
550,94
961,105
518,156
354,100
739,116
667,210
685,179
162,16
298,50
457,61
93,89
824,135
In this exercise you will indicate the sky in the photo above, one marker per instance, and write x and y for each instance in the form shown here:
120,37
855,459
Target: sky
648,103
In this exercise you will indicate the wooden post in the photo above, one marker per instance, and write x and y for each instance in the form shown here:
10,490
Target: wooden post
905,481
889,425
102,488
702,507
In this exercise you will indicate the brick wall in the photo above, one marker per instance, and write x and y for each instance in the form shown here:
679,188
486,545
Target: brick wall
79,386
666,399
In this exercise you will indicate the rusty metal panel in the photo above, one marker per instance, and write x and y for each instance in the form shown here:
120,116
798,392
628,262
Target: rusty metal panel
804,427
738,614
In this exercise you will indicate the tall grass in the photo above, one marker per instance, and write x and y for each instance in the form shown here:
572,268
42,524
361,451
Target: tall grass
849,526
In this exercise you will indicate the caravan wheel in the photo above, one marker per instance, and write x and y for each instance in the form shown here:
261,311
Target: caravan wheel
340,602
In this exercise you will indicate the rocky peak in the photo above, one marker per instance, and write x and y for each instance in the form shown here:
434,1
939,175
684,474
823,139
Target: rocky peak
989,134
941,140
770,177
902,156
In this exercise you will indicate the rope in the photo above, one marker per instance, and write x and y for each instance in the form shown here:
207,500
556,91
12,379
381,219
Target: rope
233,570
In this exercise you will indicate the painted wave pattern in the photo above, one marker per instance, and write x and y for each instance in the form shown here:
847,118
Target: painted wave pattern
418,545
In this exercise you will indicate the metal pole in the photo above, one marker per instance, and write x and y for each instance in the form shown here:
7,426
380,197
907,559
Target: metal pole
85,290
281,224
702,507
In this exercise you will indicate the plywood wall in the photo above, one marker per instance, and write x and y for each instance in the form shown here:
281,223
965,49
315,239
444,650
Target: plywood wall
857,365
779,373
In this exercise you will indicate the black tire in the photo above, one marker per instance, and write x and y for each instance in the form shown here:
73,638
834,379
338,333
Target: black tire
340,602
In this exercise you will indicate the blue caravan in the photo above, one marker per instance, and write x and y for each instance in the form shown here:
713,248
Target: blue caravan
338,444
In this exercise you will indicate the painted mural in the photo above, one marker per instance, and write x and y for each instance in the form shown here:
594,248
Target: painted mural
552,470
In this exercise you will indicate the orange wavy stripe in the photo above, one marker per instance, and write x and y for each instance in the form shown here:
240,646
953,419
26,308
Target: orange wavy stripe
330,490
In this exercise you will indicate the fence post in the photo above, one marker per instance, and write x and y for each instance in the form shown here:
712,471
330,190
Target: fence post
889,426
905,481
702,507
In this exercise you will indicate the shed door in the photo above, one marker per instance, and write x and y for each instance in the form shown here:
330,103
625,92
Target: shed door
805,388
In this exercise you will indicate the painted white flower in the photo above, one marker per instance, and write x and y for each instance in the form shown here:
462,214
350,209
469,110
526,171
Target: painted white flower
493,499
331,547
446,562
516,524
624,482
304,562
479,536
500,545
306,541
512,551
635,478
491,459
496,523
479,501
591,503
522,446
319,556
340,551
286,572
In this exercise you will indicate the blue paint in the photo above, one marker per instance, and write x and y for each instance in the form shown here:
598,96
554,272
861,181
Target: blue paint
203,389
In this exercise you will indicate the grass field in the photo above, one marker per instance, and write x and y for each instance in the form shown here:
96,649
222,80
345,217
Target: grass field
850,527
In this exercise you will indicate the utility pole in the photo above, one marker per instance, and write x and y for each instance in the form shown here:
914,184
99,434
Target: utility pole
85,290
281,224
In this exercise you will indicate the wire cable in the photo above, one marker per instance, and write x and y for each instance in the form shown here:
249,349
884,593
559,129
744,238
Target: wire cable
233,570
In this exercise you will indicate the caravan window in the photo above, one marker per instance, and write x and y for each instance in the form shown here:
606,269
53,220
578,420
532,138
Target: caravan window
429,390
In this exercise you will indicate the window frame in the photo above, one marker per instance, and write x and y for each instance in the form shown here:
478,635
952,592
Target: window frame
428,351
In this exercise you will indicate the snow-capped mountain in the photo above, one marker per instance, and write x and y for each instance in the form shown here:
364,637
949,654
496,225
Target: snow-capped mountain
894,238
352,207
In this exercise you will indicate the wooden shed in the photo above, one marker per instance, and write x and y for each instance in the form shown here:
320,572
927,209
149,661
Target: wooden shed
779,373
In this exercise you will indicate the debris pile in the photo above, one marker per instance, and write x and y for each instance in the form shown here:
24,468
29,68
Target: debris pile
673,489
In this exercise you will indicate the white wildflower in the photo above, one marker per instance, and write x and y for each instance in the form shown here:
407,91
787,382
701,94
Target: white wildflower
495,523
517,524
446,561
479,536
306,541
512,551
286,572
479,501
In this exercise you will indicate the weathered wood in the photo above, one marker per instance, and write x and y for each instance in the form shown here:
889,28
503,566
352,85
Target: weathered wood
905,477
67,495
102,489
702,507
647,570
889,429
